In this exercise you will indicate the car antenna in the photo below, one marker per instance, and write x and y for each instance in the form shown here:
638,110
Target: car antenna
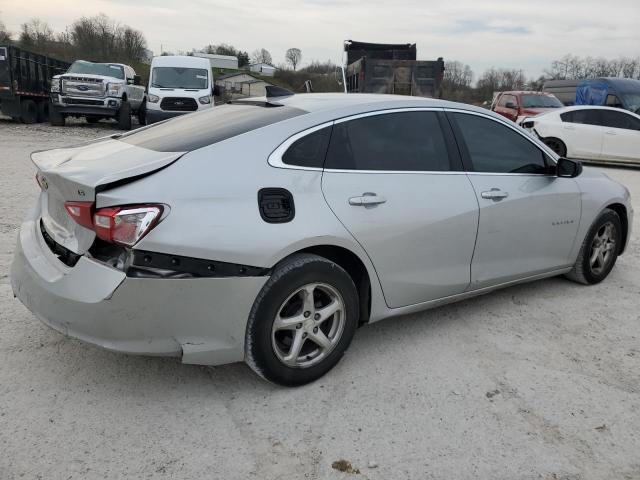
275,91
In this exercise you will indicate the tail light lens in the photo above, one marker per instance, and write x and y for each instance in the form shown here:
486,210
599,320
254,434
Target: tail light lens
124,225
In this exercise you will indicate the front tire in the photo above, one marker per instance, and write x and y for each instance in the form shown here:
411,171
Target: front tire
302,321
55,117
599,250
124,116
557,145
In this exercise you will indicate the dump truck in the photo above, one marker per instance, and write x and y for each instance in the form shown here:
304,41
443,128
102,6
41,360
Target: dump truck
25,81
391,68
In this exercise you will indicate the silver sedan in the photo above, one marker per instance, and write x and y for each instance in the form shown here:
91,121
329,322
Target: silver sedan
268,230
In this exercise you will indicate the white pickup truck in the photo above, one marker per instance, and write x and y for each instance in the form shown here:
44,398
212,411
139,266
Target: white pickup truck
96,91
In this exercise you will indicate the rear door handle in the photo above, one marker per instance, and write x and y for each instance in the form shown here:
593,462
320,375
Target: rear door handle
367,199
568,127
611,132
494,194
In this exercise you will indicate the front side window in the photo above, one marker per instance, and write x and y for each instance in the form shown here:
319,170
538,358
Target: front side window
496,148
619,120
404,141
176,77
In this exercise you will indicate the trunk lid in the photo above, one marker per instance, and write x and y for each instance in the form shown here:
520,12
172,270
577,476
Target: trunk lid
79,173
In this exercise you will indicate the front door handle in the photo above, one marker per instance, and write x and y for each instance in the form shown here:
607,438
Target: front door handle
494,194
367,199
611,132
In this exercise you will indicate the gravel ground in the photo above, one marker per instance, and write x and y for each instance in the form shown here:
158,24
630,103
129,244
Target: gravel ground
538,381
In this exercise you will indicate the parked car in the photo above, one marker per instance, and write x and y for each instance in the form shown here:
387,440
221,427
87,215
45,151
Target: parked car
25,79
96,91
518,104
269,229
178,84
590,133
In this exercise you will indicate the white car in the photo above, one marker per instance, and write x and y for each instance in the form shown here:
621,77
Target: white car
589,132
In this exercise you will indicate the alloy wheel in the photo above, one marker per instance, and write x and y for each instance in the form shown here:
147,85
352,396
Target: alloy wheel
603,248
308,325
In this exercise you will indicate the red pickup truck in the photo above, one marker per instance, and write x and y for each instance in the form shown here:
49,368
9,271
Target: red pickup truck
518,104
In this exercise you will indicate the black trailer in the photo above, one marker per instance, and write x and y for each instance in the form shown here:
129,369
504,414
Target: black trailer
25,80
391,68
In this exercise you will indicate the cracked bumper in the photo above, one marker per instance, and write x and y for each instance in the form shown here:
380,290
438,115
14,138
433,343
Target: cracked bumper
202,320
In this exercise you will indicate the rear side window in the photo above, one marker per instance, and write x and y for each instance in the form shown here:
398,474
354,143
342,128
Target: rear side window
583,116
197,130
619,120
310,150
496,148
404,141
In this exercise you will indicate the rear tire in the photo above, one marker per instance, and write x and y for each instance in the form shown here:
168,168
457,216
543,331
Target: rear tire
28,111
124,116
43,111
92,119
294,309
599,250
556,145
55,117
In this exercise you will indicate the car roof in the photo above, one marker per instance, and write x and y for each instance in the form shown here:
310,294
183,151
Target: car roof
325,102
179,61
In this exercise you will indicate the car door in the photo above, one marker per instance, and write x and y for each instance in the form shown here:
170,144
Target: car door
394,180
528,216
582,133
621,139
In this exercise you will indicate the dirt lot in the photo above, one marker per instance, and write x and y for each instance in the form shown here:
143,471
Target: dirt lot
539,381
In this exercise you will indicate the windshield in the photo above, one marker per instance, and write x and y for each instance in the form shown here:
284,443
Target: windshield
540,101
104,69
176,77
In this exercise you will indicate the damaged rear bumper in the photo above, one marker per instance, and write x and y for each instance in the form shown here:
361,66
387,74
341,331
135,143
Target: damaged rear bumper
202,320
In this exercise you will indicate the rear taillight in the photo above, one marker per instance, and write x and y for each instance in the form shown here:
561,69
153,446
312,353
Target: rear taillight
120,225
81,212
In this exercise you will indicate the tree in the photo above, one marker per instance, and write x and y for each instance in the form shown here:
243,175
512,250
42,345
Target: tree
36,35
293,56
261,56
5,35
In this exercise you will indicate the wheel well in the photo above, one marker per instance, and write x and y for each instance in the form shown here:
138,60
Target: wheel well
356,270
621,210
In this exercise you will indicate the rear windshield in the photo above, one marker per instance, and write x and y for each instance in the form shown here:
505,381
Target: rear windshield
197,130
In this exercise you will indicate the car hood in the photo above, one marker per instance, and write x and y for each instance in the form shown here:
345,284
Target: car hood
532,112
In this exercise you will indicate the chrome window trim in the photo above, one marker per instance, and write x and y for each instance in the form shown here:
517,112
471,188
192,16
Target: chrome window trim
275,158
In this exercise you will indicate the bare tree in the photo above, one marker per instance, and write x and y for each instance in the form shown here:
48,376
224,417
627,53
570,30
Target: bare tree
261,56
37,35
293,56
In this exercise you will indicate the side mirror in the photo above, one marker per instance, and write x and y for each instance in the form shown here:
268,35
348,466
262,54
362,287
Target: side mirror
136,80
568,168
511,105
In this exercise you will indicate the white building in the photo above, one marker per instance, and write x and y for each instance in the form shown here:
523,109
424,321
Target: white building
219,61
263,69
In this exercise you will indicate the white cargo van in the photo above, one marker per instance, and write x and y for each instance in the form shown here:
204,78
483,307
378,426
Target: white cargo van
178,85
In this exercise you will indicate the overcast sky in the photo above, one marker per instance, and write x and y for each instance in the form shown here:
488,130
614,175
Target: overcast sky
524,34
